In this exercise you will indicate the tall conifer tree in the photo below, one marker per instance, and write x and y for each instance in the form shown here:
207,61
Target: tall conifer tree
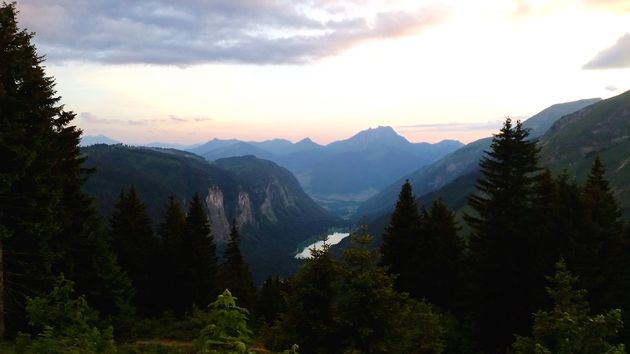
172,232
603,266
310,318
502,242
136,248
234,271
400,240
201,249
46,222
439,258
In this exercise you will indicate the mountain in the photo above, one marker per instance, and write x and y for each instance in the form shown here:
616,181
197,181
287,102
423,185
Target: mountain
170,145
213,145
344,173
87,140
274,146
601,129
367,139
265,200
463,161
239,148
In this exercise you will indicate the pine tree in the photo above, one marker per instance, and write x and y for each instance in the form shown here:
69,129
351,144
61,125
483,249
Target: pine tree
602,265
234,271
47,224
569,327
400,240
228,332
503,239
201,249
175,272
439,257
271,302
372,317
309,320
136,248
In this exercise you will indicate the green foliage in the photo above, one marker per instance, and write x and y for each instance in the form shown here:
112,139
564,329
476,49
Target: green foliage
174,258
569,328
66,323
201,252
47,224
438,259
136,248
227,333
401,238
371,316
309,320
424,251
271,300
234,271
350,306
504,243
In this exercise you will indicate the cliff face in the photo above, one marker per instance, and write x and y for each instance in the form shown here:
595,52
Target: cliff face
216,214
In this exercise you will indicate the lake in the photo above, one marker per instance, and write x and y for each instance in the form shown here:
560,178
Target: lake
331,239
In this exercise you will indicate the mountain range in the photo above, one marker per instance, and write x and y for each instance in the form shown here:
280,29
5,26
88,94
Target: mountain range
340,175
265,200
344,173
447,176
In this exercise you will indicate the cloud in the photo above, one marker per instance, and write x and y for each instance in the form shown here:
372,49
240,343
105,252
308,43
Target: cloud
183,33
177,119
189,119
615,57
611,88
452,126
90,118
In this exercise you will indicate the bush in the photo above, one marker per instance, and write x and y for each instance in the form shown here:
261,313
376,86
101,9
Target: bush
66,324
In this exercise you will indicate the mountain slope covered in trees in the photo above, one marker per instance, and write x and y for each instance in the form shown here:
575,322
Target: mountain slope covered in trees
462,161
265,200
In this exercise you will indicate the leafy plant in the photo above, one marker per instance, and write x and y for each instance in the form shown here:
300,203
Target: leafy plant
227,332
65,323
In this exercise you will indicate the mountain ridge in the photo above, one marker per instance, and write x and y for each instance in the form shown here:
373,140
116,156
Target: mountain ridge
265,200
460,162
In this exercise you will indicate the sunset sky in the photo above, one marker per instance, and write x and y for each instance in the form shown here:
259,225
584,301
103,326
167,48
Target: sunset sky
143,71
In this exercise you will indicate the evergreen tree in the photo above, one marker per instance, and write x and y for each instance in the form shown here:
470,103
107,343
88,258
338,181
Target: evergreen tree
400,240
228,332
176,295
271,302
503,239
201,249
438,259
136,248
234,272
602,262
309,320
372,317
46,222
568,327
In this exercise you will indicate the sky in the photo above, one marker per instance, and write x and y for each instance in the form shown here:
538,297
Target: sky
188,71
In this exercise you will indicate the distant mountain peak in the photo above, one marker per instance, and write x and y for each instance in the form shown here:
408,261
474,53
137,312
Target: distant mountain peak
380,133
306,140
87,140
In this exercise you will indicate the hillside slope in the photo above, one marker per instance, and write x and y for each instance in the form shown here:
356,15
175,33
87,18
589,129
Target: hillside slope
461,162
266,201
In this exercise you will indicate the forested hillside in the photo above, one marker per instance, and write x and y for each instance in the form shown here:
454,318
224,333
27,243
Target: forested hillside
265,200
